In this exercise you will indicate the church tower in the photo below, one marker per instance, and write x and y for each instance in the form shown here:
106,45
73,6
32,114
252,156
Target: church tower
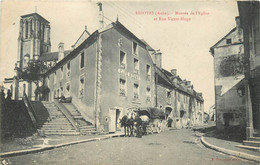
34,38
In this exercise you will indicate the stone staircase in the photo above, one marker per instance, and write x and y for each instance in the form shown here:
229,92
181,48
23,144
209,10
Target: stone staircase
84,126
55,122
253,143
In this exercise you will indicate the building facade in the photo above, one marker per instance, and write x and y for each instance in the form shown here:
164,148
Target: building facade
250,21
107,74
228,54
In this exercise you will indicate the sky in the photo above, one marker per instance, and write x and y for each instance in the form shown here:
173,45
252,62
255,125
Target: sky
184,38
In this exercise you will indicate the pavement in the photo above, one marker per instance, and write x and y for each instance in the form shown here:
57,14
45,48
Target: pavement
21,146
227,146
38,144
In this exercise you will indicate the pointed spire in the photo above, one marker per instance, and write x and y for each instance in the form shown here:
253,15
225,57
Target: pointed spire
117,18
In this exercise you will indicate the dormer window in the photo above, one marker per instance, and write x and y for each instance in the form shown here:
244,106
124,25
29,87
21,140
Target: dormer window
135,48
228,41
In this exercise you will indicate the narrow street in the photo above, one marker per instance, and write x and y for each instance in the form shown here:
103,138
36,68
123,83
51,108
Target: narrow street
169,147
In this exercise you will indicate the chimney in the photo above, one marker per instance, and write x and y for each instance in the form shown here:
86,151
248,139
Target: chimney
174,72
61,51
157,58
188,83
101,16
237,22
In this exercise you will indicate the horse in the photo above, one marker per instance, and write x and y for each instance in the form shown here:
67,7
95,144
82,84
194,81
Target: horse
127,122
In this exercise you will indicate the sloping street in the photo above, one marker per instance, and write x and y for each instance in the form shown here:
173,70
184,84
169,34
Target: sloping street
169,147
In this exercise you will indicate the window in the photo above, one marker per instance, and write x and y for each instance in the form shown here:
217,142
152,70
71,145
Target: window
61,72
82,60
136,66
61,91
148,72
81,85
68,89
122,60
54,81
168,95
68,69
58,93
122,87
148,94
228,41
135,48
136,91
26,29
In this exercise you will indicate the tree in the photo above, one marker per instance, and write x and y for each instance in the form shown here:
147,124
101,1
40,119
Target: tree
34,73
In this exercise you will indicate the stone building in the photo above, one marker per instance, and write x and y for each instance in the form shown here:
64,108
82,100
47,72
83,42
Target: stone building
106,73
175,96
250,21
228,54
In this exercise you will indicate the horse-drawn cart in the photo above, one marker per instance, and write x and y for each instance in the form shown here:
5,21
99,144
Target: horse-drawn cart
152,119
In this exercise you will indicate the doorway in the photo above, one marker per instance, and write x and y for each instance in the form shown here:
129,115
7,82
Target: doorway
114,114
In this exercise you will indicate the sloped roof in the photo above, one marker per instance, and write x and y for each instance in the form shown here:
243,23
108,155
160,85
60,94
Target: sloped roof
147,45
52,56
82,38
166,76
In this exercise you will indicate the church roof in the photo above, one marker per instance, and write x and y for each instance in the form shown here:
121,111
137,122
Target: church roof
52,56
36,14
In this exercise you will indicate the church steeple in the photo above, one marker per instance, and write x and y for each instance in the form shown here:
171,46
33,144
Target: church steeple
34,38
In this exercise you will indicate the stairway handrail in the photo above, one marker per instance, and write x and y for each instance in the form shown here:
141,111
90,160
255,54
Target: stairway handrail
66,112
30,110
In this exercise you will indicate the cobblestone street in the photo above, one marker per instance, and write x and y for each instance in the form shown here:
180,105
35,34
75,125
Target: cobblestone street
169,147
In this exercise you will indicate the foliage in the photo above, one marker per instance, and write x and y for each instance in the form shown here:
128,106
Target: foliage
33,72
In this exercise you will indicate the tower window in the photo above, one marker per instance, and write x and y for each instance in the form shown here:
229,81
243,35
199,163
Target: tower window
26,29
